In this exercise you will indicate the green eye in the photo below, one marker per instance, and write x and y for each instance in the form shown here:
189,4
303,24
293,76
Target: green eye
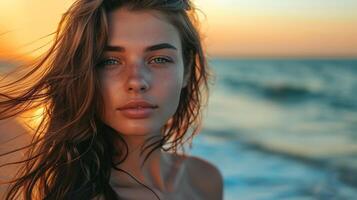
161,60
110,62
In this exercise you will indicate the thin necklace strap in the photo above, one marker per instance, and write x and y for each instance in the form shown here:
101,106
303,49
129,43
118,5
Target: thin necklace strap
137,181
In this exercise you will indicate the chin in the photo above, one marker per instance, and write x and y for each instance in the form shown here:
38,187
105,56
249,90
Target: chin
137,129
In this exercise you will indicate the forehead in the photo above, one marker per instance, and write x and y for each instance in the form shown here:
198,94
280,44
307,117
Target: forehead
140,28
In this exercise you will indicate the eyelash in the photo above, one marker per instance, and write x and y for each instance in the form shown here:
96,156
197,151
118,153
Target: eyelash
105,61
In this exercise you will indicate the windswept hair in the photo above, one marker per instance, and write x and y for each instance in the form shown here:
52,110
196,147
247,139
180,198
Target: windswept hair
71,151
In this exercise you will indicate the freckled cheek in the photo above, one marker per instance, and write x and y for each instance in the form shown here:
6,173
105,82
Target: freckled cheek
168,89
108,92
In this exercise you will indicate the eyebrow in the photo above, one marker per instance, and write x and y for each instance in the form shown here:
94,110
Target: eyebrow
147,49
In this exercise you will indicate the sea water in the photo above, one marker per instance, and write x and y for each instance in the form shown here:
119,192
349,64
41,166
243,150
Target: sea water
282,129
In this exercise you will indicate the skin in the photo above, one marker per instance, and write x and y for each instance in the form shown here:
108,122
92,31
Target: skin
158,77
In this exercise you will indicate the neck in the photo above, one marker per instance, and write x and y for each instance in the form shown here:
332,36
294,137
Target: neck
151,172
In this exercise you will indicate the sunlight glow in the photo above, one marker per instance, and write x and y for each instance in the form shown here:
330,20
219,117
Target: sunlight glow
232,27
32,119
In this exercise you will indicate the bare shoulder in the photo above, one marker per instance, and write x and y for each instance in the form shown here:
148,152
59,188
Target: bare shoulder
206,177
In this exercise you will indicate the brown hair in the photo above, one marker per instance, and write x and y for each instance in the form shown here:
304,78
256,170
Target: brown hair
70,155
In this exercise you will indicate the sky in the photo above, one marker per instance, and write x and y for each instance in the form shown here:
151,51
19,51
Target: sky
231,28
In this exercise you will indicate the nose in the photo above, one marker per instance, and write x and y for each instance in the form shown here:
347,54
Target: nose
138,79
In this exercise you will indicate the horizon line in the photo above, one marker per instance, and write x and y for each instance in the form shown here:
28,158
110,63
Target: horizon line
219,56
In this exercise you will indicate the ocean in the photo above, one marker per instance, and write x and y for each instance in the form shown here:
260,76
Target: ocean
282,128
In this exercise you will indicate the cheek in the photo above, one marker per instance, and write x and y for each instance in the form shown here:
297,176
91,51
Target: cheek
107,88
169,90
171,82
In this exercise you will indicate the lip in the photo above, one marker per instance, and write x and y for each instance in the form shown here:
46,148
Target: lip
136,104
137,109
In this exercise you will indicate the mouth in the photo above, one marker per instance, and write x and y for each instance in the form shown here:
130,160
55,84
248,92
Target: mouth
137,104
138,112
138,109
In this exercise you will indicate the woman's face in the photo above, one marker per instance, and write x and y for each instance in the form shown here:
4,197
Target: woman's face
142,63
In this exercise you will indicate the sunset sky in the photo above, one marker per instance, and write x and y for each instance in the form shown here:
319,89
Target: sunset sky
240,28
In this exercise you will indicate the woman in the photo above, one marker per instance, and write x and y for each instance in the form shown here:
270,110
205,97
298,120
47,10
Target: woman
122,87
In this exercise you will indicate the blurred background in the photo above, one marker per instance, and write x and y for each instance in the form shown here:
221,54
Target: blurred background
282,117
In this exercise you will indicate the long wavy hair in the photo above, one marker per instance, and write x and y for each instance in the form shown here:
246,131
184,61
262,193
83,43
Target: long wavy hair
71,151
